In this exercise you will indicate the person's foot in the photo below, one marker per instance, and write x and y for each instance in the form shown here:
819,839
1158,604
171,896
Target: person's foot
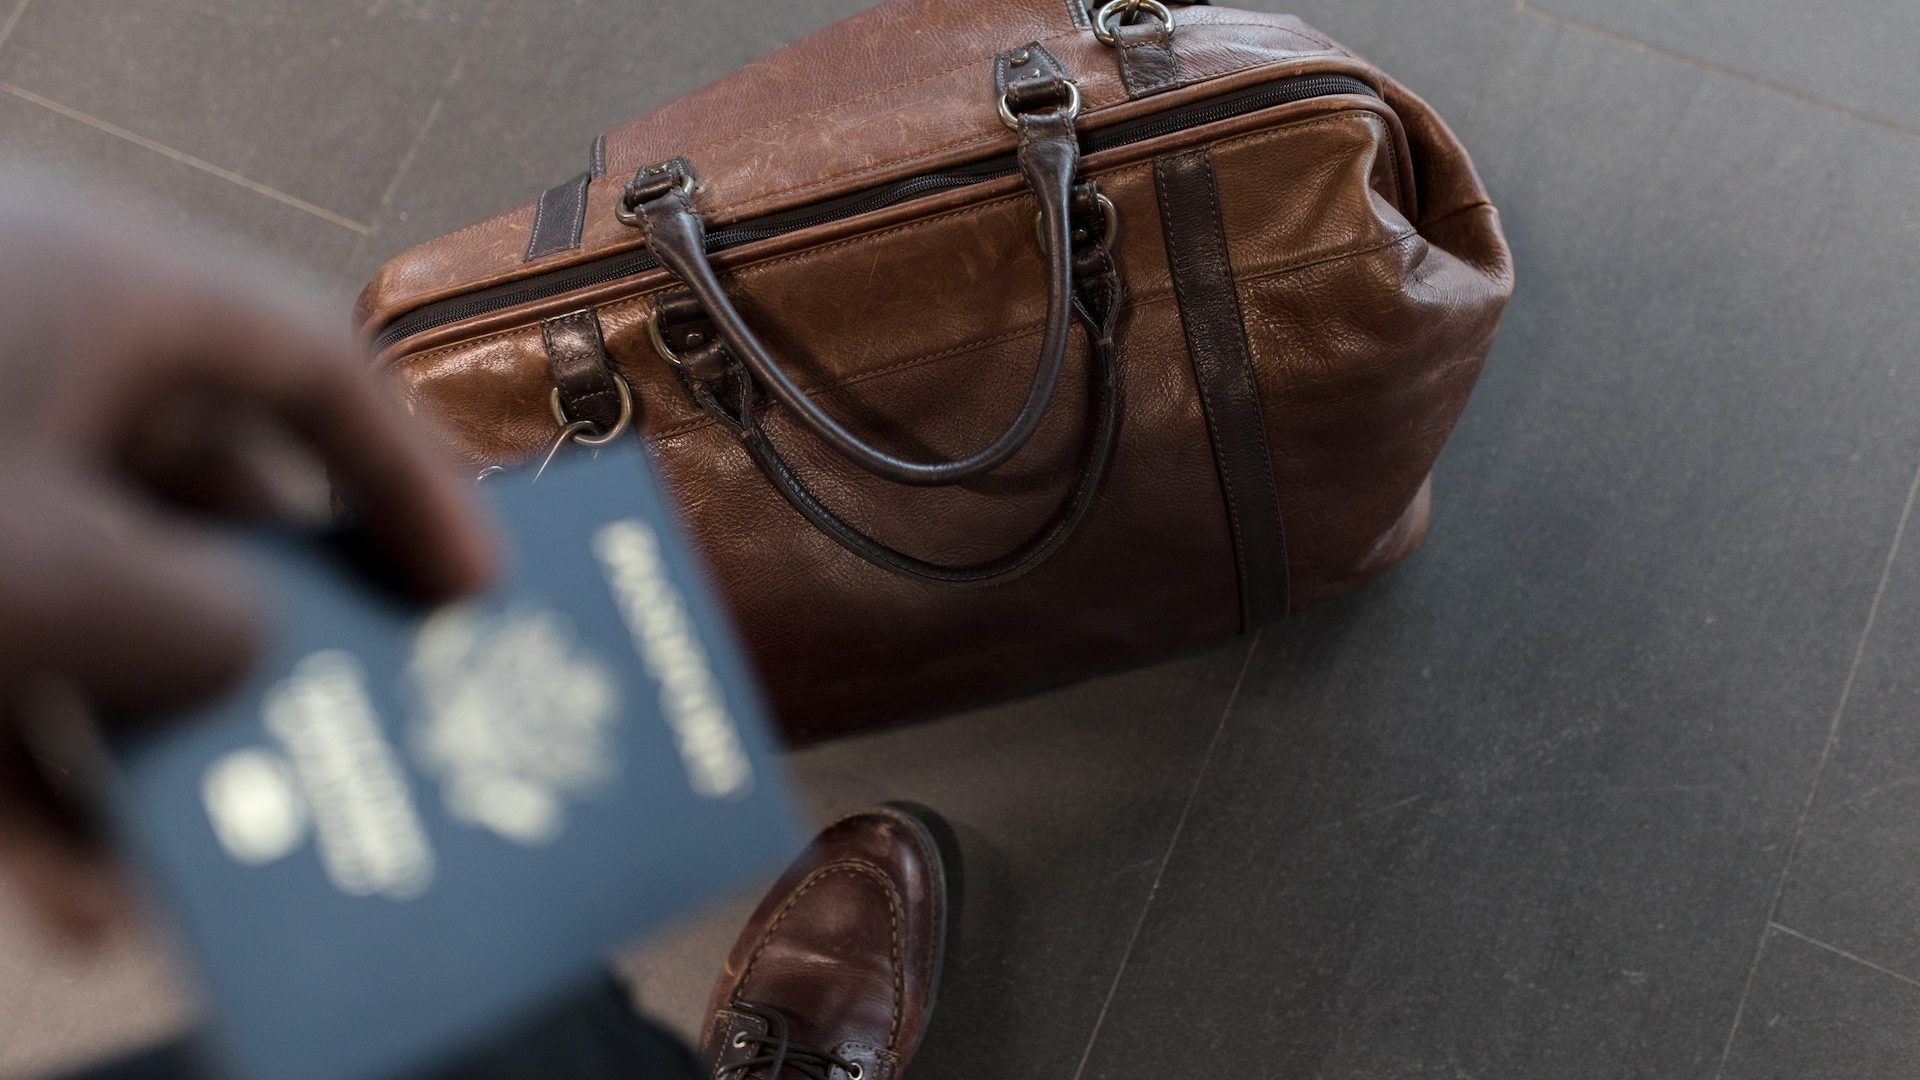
835,975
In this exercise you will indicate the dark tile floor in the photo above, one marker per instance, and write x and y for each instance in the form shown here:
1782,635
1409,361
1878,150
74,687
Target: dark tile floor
1616,779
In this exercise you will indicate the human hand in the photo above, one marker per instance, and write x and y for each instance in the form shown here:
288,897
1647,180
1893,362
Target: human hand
146,392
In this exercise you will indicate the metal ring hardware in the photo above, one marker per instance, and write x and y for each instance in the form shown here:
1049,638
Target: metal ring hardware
660,345
1072,107
628,213
1108,212
574,431
1106,24
577,430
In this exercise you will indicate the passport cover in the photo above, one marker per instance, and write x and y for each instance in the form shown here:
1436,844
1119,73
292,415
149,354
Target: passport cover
410,828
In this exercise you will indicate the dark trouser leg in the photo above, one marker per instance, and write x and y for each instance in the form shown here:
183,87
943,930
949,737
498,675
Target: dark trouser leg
593,1035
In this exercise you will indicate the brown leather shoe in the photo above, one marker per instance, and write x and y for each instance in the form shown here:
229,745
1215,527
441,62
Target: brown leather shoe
835,975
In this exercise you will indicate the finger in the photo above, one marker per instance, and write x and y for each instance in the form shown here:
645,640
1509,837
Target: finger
391,475
222,459
142,613
65,878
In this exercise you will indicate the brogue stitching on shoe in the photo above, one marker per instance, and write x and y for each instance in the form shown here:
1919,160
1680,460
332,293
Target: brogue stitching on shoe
893,916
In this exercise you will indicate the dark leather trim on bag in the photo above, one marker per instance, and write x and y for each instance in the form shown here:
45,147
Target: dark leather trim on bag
1147,60
561,214
1209,301
582,372
1029,61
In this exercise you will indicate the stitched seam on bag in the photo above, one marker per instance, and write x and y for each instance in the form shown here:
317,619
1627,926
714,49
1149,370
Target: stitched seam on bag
1274,326
574,228
754,269
1139,166
743,209
579,223
990,136
539,216
944,72
1138,300
489,222
843,103
825,389
1127,67
893,916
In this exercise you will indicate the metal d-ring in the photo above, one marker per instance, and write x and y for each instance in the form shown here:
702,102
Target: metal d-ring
1108,212
660,339
584,432
578,430
1072,108
1105,24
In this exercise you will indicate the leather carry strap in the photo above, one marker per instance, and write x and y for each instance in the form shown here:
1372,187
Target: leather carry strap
1049,153
1141,33
1097,306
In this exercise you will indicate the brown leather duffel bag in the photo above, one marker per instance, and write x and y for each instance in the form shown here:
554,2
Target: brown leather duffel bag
1259,276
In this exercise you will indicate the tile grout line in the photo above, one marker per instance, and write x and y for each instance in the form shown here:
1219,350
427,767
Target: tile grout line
1819,772
406,160
1523,7
185,158
1173,842
1844,954
13,20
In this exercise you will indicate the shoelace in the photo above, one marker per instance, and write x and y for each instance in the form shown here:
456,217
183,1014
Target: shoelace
775,1052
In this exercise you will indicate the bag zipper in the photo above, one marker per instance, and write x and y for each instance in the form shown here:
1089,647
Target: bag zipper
611,268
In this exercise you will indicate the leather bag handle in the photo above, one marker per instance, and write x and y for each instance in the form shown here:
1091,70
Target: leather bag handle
1043,110
1097,306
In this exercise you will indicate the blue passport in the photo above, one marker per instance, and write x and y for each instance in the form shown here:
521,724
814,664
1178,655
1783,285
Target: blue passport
411,828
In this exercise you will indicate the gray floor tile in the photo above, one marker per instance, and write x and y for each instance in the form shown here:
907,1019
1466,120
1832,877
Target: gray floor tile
62,1004
1817,1015
1856,877
318,100
1856,54
140,183
543,80
1521,810
1444,59
1064,805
